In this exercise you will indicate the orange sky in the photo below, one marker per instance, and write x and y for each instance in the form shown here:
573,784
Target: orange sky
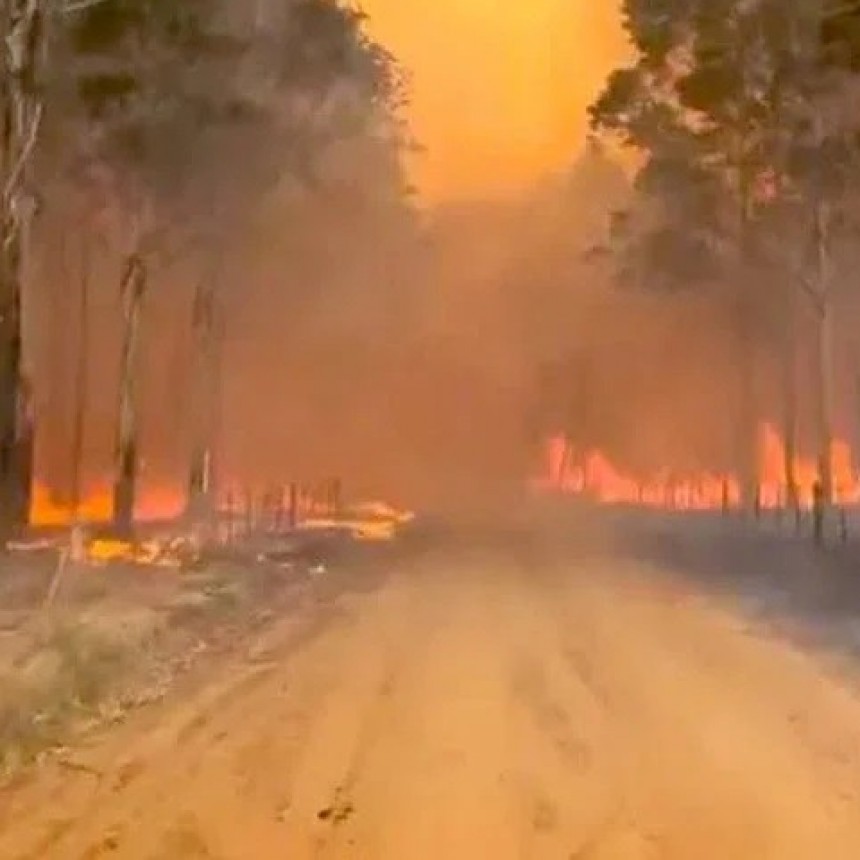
500,86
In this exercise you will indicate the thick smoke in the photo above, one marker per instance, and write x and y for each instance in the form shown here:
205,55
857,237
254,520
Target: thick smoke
405,349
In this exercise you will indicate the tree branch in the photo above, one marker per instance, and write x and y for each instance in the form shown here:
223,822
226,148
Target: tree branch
75,6
26,152
815,295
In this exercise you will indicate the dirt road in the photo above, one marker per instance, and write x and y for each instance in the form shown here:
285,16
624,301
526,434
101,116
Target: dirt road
476,707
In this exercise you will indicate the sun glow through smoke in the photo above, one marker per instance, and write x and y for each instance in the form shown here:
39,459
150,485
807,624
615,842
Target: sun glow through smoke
500,89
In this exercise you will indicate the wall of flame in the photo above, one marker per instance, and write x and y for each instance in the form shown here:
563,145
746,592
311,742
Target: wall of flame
592,474
154,503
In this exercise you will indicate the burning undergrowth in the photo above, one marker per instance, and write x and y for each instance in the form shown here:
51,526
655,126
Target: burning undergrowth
592,474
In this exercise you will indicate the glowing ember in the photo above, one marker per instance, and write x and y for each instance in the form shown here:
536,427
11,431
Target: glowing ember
369,521
171,553
592,474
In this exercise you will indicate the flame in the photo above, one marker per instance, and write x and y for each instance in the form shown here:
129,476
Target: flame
154,503
372,521
366,521
593,474
151,553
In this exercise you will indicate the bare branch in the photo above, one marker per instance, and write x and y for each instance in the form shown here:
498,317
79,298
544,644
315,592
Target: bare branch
817,296
76,6
26,152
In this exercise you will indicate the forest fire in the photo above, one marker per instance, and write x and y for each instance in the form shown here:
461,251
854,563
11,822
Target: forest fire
154,503
371,521
592,474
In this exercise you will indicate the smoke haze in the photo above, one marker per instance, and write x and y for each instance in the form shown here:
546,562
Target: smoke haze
404,349
500,89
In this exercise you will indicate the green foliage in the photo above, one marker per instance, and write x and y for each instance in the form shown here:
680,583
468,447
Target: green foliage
103,27
731,104
164,90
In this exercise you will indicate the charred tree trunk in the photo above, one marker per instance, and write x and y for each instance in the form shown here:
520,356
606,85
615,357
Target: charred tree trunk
22,42
133,288
746,438
824,401
823,356
746,430
81,378
205,398
789,417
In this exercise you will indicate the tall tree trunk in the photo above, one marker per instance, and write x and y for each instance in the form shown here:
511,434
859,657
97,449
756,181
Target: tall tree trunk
22,47
204,397
133,287
746,430
199,478
81,377
823,355
824,400
789,415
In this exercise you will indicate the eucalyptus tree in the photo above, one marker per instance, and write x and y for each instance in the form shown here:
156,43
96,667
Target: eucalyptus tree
739,110
198,112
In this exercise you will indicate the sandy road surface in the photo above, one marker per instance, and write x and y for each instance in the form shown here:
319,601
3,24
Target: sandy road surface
476,707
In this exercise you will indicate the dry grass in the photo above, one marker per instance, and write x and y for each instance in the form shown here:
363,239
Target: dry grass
114,640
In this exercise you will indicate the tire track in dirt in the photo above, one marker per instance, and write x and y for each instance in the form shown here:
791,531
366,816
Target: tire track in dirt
566,750
717,772
132,783
357,723
441,777
268,742
475,708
